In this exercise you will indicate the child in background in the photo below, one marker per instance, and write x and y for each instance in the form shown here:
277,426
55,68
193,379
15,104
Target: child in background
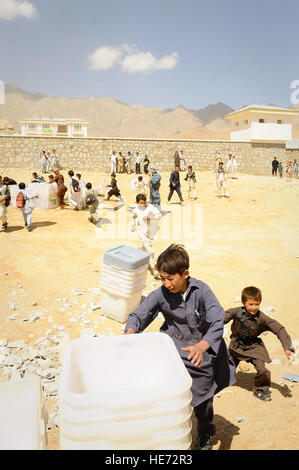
194,320
280,169
146,217
92,202
23,202
289,171
81,184
191,180
114,191
221,180
146,163
75,197
140,186
248,323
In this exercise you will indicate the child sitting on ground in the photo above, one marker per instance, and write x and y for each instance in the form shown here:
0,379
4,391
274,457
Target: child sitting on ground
194,320
248,323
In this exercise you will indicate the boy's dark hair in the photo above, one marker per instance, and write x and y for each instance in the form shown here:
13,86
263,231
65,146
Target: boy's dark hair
140,197
88,185
78,175
51,176
190,166
139,178
22,186
251,292
174,260
34,174
5,179
113,174
71,173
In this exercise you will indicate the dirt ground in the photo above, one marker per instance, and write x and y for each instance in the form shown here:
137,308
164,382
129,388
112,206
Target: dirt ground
249,239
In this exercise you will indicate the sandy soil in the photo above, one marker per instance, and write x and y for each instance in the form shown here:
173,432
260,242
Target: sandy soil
249,239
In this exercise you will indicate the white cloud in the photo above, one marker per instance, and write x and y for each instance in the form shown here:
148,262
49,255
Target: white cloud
131,60
104,58
11,9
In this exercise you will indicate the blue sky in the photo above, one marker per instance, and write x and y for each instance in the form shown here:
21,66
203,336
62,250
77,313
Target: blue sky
153,52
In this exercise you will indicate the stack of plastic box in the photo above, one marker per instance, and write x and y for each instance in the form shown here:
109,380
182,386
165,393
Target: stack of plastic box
22,415
123,278
124,392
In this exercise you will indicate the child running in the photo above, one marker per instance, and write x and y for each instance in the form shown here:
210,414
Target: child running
146,216
114,191
191,180
92,202
194,320
23,202
248,323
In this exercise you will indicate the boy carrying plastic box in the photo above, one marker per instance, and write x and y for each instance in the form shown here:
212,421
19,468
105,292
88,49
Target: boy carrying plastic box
194,320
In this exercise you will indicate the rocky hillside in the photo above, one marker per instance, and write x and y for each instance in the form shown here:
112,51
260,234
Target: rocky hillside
108,117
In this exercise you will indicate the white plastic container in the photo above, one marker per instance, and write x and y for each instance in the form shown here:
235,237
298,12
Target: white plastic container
47,195
118,305
22,415
101,409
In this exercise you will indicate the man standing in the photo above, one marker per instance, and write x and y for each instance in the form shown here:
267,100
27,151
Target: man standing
4,201
137,163
113,162
175,184
275,164
154,184
129,163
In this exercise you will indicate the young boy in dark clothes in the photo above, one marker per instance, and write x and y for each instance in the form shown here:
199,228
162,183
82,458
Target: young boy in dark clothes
194,320
114,191
248,323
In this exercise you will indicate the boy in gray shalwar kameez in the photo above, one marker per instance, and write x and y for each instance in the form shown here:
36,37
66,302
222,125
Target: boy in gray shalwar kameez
194,320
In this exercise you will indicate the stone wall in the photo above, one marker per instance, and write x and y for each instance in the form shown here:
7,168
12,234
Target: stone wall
92,153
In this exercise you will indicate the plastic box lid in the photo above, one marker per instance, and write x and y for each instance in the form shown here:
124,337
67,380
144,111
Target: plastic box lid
126,257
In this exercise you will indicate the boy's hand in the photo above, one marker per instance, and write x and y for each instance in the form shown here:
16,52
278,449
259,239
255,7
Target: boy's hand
289,354
129,331
133,228
196,354
36,196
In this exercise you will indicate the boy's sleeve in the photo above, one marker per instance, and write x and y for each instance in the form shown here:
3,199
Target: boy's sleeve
215,317
279,330
145,313
229,314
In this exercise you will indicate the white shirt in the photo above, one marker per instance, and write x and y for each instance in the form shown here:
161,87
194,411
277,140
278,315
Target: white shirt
144,227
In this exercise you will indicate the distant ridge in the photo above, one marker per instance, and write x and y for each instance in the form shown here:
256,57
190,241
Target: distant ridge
109,117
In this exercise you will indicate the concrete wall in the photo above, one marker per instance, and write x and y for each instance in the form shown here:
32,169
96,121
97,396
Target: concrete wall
92,153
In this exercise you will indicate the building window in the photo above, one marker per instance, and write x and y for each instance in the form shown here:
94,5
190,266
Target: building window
62,129
47,128
77,128
279,121
261,121
32,127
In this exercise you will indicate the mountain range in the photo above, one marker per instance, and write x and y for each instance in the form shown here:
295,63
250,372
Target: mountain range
109,117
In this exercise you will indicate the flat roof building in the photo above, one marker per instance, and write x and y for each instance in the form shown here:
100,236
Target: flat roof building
54,127
262,123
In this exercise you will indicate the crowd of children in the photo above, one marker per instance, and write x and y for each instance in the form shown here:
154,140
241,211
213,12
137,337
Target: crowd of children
193,316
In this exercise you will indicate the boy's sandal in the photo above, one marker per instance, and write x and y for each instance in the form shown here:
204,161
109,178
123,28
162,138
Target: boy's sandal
262,395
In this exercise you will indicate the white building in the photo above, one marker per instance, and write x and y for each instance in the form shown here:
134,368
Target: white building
54,127
262,123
